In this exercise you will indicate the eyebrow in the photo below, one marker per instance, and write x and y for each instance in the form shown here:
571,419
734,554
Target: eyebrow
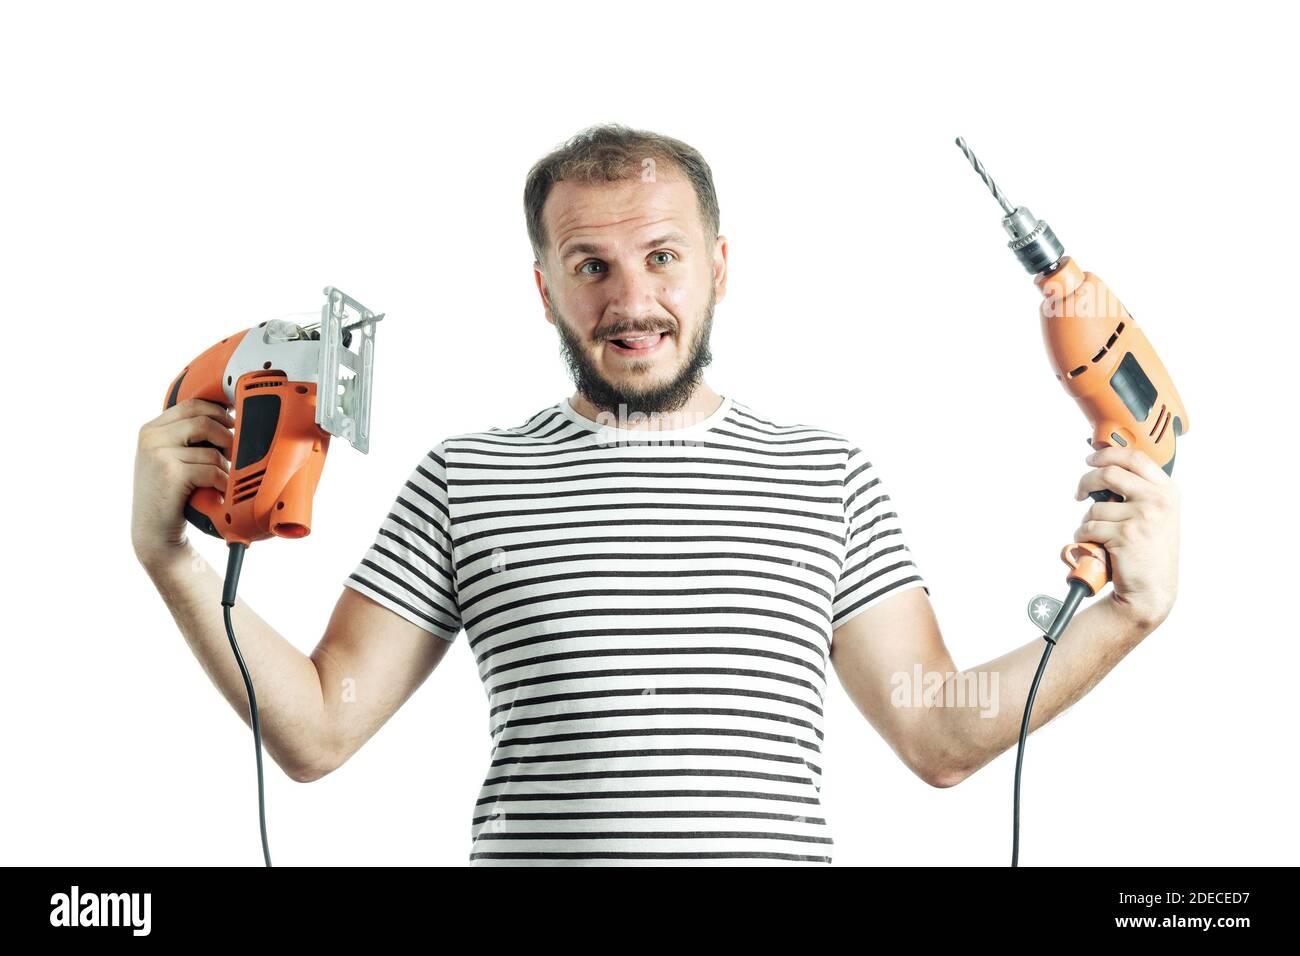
590,248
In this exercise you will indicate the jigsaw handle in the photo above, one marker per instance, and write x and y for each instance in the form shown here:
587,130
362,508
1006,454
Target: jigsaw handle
276,461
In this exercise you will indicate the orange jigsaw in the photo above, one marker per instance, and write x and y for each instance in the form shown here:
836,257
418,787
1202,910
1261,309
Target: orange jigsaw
291,387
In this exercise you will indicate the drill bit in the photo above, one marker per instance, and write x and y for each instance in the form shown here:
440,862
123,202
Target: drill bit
1032,240
983,174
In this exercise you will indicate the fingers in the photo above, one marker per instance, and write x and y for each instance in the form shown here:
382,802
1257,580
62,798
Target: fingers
191,455
190,408
1111,535
206,476
1104,523
191,431
1112,511
1129,472
1113,478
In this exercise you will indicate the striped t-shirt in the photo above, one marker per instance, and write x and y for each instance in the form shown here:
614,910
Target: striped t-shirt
651,615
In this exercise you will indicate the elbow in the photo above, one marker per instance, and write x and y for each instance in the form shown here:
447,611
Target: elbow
939,768
937,759
311,770
308,774
305,774
942,777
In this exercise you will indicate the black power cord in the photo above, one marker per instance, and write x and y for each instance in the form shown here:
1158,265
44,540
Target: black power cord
234,562
1078,591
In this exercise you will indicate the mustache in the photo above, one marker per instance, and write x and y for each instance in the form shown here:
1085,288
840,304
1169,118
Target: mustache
623,331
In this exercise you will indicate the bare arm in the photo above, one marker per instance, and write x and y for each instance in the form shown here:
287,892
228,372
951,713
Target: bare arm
882,648
370,661
316,711
961,720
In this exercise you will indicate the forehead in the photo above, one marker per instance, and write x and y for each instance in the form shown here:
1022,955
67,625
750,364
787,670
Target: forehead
614,210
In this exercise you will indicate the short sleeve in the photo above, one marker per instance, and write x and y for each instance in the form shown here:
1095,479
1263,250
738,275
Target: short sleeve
409,568
877,563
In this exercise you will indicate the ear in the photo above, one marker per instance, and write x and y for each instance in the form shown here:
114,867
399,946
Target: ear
539,276
720,268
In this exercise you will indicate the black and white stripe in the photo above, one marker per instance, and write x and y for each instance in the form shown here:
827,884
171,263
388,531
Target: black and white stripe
651,613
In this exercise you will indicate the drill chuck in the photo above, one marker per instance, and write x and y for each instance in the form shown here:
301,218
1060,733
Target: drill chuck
1032,240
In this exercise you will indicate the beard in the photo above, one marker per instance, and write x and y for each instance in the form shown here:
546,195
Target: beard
665,397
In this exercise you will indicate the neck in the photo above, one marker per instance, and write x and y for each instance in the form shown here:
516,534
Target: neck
704,401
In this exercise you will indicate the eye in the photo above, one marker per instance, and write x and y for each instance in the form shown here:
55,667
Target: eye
662,252
590,262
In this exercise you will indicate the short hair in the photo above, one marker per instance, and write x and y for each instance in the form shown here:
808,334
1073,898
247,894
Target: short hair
608,153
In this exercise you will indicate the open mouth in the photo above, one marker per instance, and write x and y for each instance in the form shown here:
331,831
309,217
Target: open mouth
639,343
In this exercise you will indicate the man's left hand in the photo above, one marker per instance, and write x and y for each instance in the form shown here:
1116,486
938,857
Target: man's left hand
1139,533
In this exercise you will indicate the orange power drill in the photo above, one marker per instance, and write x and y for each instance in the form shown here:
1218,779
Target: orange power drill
291,387
1106,364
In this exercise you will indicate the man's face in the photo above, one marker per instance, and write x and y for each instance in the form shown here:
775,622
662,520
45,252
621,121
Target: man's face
630,282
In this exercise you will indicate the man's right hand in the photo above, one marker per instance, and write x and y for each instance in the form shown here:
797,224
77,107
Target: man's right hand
168,469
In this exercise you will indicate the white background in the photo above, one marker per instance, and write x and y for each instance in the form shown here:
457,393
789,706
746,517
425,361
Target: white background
173,174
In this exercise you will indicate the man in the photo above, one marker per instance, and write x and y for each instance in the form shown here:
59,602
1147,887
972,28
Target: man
651,576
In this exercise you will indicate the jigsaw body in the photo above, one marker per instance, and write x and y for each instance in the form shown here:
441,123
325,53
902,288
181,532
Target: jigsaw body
291,387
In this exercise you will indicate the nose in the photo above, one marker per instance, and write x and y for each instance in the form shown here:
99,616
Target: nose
633,298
